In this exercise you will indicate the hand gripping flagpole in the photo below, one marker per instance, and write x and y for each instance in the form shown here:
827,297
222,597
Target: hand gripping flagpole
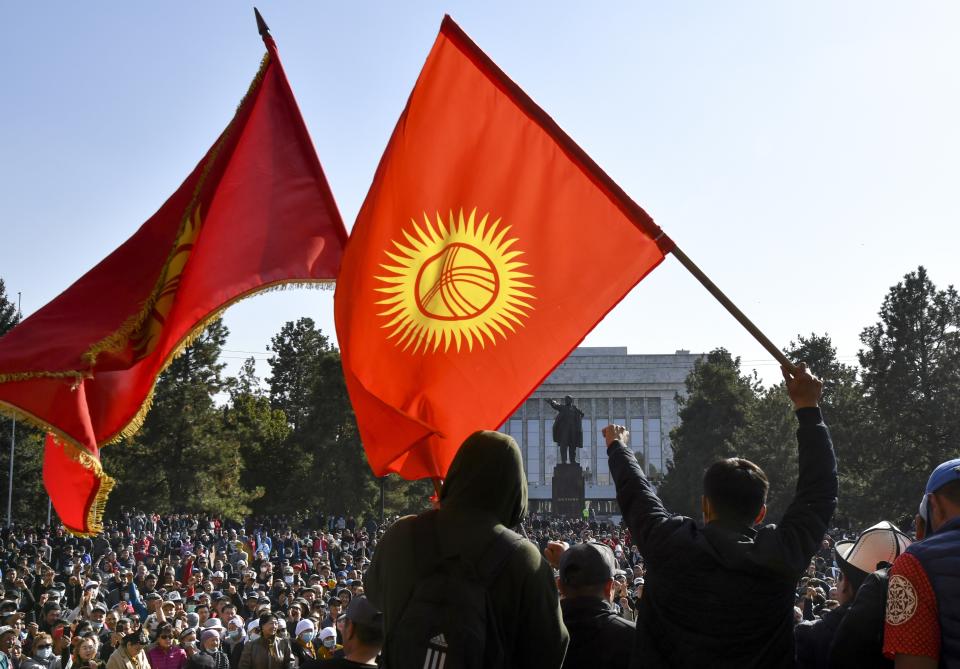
733,309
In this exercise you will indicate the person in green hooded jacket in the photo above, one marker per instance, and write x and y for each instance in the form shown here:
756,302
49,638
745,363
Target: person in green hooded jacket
484,495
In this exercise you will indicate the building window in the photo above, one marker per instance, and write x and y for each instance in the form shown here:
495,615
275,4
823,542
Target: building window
636,438
653,406
589,453
549,458
533,450
656,466
603,467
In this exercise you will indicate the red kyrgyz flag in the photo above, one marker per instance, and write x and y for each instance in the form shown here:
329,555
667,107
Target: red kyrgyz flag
256,213
488,246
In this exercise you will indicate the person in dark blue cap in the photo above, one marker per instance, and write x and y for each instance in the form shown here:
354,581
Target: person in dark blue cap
599,638
922,627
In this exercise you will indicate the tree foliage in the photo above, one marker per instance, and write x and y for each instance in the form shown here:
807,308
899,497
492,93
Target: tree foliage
911,377
290,444
892,419
184,459
719,402
9,314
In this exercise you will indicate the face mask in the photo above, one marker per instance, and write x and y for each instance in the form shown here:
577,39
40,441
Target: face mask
329,642
235,634
97,626
288,580
254,636
307,637
44,653
191,608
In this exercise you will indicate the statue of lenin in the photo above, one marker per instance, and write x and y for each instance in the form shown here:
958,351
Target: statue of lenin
567,428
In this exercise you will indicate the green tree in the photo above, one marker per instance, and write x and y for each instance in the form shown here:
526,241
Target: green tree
911,375
767,439
326,466
404,497
719,402
346,484
297,349
182,459
261,432
29,497
9,314
853,427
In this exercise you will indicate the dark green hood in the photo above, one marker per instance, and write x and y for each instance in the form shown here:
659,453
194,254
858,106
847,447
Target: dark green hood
487,475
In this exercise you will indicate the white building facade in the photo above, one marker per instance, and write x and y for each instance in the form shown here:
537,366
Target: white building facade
610,386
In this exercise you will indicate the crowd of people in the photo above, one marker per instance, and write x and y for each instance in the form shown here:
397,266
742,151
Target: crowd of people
476,582
180,591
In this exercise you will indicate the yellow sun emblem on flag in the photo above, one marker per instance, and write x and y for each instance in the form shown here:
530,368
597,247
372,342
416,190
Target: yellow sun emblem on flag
454,283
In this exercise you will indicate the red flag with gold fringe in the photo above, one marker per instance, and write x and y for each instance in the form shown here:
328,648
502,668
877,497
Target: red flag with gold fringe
488,246
255,214
77,485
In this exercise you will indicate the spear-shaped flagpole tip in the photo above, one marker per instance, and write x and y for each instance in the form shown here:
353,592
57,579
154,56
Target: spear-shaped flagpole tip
262,26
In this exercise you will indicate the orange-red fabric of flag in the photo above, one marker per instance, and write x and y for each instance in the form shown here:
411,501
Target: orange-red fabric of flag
488,246
254,214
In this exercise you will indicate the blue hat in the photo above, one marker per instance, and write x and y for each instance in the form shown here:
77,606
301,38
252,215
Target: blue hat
948,472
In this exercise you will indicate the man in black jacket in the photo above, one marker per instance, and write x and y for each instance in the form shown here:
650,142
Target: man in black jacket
721,594
599,638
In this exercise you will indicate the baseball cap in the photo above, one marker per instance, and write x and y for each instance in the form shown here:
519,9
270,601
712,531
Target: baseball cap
588,563
945,473
6,628
881,543
363,612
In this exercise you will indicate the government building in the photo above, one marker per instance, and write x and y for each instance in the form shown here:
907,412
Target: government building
610,386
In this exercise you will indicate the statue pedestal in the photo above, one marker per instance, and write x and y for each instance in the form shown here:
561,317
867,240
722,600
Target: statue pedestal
569,490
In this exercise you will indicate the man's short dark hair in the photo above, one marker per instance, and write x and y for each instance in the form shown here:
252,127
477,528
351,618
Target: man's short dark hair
370,636
737,489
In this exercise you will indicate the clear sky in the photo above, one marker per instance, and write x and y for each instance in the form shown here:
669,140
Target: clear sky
805,155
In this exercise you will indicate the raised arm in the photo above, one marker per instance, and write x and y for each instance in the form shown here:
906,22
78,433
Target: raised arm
642,510
807,518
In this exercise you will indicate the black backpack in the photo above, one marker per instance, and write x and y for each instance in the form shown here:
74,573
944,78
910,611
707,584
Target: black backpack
449,622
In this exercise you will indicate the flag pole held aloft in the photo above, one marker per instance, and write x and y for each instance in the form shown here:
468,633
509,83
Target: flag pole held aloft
732,308
262,26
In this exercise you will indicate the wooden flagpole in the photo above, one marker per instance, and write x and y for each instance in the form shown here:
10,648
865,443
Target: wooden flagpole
732,308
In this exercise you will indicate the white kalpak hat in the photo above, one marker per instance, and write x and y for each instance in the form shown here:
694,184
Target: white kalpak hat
881,543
